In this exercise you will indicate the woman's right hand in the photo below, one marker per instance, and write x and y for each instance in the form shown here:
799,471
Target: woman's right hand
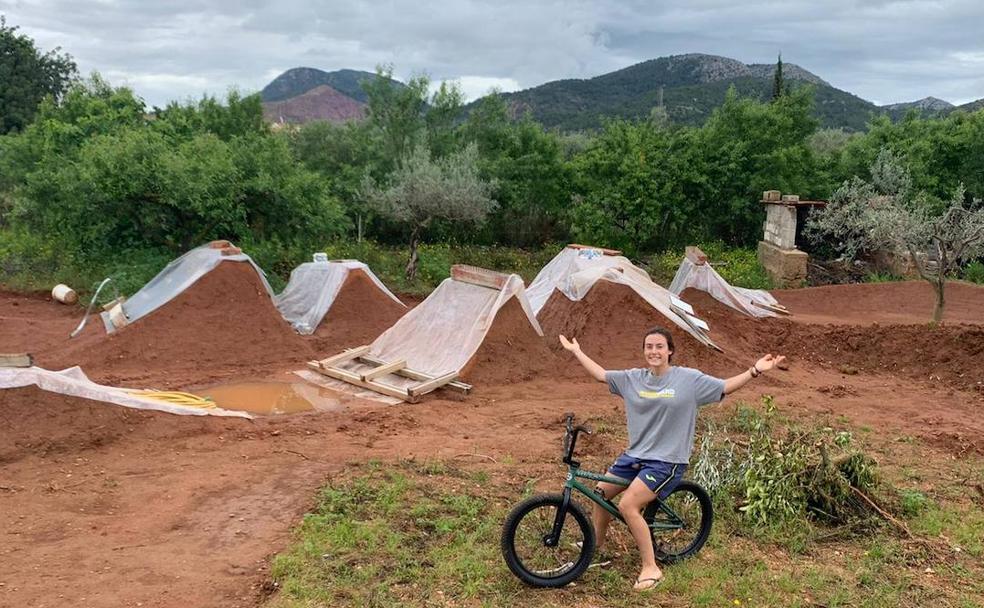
570,345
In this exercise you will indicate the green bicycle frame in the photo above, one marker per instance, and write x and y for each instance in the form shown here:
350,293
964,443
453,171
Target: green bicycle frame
672,521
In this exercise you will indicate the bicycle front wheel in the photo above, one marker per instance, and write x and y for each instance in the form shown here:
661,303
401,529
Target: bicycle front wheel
525,544
681,523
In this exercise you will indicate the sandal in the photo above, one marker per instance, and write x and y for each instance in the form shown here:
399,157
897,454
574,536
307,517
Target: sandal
653,583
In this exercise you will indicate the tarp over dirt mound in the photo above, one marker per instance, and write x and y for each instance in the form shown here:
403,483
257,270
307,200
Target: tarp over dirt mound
696,273
610,322
176,277
223,325
316,288
576,270
454,325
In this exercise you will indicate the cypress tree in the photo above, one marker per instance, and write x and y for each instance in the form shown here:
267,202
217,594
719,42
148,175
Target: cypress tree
778,84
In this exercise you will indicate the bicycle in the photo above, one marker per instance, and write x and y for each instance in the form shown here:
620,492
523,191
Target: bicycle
548,540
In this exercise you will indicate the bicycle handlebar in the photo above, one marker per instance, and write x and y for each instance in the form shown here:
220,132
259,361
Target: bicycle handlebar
570,437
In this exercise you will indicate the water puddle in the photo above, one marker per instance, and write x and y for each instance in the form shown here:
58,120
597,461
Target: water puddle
273,398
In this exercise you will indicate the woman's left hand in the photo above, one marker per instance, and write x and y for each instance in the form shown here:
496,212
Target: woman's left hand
768,362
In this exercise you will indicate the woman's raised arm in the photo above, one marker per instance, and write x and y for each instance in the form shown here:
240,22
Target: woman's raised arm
596,371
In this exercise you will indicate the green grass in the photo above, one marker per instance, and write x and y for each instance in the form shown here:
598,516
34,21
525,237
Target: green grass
427,534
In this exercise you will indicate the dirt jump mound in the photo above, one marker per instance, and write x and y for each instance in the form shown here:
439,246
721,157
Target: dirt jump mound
359,313
224,325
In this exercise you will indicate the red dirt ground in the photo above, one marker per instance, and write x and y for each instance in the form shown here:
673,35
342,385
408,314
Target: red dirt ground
358,315
106,506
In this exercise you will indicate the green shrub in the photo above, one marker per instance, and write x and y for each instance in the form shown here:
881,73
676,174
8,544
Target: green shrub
974,272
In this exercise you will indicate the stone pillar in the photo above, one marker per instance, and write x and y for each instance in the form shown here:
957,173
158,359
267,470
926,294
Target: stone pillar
777,252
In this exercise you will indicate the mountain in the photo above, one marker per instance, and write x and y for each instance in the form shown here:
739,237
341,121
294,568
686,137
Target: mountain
320,103
692,87
297,81
930,104
972,106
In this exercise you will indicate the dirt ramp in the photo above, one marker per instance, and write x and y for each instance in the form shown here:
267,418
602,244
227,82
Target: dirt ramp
225,325
948,355
511,352
885,303
610,323
358,315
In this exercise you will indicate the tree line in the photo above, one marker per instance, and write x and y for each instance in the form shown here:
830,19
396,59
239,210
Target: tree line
86,167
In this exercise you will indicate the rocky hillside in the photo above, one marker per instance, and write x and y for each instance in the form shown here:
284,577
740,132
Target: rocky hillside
692,86
320,103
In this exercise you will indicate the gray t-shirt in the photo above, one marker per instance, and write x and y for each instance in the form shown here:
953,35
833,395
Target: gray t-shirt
661,411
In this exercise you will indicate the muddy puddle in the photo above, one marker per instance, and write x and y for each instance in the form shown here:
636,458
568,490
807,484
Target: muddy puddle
273,398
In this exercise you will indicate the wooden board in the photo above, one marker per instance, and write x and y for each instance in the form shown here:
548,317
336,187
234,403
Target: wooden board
479,276
413,374
16,360
353,378
382,370
348,355
601,249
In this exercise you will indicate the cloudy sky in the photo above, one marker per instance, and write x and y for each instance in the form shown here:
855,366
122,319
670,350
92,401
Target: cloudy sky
883,51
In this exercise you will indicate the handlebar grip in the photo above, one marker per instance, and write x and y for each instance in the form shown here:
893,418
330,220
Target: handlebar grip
584,429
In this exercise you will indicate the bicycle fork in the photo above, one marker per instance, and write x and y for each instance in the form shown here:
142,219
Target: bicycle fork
553,539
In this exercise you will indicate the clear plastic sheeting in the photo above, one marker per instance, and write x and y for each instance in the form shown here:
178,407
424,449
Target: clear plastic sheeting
752,302
442,333
575,271
176,277
312,289
75,383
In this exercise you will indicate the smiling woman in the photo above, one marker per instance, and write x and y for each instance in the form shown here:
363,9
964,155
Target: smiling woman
661,402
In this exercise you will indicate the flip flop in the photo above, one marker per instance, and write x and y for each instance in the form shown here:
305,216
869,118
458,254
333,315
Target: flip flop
655,583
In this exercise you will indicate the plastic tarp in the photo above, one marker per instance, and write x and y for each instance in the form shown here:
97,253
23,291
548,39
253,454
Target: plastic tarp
705,278
176,277
575,271
442,333
312,289
75,383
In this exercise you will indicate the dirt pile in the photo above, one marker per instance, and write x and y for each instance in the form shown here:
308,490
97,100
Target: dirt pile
225,325
610,322
32,322
360,312
511,352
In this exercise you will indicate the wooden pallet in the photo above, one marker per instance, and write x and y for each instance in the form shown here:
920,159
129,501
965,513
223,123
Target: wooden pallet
370,379
776,308
479,276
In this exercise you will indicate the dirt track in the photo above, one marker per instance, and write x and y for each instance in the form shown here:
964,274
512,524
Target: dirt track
104,506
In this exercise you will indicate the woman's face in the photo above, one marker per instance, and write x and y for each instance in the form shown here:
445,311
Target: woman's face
656,351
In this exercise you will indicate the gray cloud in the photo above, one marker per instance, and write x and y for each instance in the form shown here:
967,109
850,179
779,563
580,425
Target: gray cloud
884,51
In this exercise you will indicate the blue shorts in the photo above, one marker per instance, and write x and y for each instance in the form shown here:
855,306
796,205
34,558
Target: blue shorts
660,477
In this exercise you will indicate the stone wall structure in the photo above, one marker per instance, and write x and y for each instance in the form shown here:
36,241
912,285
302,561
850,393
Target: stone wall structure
785,264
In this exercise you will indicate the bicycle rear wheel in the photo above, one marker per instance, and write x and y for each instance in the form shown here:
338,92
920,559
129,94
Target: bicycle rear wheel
524,542
681,523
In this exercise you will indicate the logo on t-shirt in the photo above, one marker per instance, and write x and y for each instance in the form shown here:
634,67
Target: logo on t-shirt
666,393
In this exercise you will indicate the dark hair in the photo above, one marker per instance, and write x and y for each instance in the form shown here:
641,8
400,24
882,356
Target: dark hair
659,331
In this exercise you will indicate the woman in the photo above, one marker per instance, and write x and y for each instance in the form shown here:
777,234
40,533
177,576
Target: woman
661,402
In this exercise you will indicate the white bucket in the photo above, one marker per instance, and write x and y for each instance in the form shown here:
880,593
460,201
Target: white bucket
64,294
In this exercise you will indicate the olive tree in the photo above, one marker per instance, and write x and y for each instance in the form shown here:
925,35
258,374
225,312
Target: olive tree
938,236
423,189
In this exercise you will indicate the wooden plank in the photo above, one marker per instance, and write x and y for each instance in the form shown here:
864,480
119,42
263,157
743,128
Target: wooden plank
426,387
774,308
382,370
348,355
352,378
16,360
601,249
479,276
413,374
